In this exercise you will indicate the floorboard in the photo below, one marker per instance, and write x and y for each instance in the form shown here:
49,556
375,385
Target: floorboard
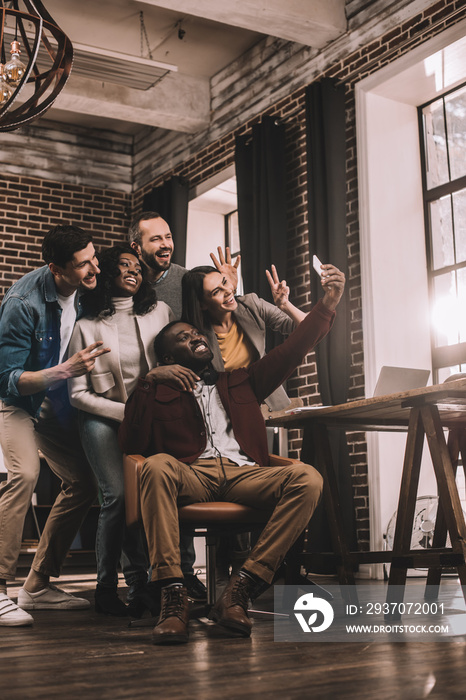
84,655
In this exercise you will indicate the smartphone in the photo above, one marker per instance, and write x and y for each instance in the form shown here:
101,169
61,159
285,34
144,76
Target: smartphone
316,264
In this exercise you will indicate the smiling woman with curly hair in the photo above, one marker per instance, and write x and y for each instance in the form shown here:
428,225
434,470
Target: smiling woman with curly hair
123,313
101,300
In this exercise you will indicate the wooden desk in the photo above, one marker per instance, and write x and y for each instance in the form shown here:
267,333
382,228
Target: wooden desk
420,412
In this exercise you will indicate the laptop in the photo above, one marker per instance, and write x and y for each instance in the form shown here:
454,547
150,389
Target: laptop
396,379
391,380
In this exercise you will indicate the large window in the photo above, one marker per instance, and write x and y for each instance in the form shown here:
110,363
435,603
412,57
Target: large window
443,148
233,243
232,233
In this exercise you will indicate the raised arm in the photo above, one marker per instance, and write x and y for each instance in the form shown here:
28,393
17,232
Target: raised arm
333,284
225,267
281,296
273,369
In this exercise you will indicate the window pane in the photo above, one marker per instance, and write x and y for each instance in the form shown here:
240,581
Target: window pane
435,144
459,218
444,316
444,139
455,107
442,234
232,241
233,233
445,372
461,283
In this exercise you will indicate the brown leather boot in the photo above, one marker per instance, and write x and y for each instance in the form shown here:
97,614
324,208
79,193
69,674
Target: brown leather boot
231,609
172,627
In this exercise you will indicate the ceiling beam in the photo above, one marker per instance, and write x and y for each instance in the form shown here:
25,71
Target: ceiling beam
178,102
310,22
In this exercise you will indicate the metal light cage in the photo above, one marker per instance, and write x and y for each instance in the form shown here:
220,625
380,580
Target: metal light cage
38,34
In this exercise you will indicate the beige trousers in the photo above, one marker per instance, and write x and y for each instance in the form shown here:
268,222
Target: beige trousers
21,436
292,492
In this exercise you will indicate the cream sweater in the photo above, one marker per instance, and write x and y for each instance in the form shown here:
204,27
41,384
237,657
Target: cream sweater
105,389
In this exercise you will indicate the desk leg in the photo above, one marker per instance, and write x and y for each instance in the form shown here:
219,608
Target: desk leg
405,512
333,509
448,493
440,533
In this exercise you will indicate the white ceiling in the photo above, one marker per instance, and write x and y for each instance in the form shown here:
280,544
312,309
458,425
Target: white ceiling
199,38
221,199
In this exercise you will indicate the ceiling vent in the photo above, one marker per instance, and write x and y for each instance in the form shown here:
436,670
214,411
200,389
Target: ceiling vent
119,68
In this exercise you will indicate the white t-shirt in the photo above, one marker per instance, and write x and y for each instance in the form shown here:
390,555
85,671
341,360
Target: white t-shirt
67,321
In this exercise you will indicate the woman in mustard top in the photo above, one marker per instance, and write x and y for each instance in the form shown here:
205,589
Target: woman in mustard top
236,325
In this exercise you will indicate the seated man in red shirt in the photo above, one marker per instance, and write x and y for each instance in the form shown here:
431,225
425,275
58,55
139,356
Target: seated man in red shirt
205,440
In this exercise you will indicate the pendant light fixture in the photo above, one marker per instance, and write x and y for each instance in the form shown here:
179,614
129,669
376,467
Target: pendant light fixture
40,63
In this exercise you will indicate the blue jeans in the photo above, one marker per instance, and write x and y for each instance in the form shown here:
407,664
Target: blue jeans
114,541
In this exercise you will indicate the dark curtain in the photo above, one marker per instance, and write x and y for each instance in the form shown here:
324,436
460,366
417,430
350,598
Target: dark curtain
170,200
326,163
260,175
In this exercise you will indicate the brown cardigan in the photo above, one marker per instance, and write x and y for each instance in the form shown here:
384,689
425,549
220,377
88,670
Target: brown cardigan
161,419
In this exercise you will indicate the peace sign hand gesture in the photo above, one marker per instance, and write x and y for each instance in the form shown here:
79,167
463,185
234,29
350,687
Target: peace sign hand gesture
280,290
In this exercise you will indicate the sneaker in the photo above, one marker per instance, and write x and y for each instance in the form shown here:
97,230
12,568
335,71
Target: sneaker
11,615
195,588
50,598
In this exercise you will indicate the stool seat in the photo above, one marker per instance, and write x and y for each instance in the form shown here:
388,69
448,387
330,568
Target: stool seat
220,513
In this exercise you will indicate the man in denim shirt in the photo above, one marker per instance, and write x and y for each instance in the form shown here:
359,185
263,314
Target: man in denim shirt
36,320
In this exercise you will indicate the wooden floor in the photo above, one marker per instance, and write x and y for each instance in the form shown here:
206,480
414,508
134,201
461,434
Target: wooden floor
84,655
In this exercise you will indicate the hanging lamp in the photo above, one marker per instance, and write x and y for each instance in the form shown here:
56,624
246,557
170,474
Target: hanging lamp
40,63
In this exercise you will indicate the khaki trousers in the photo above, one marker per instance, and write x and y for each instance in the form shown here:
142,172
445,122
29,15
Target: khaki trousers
291,492
21,436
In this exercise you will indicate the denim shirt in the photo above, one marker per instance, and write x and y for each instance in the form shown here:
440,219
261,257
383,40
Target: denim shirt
29,336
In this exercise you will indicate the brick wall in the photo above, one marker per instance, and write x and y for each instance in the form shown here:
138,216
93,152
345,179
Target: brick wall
30,207
220,154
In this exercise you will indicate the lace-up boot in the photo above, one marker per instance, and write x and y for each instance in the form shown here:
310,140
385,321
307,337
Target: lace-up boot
172,627
231,610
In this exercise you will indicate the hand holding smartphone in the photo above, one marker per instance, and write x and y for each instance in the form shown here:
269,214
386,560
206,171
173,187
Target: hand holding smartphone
316,264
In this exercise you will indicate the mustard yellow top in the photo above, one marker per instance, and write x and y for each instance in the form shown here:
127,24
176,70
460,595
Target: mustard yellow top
236,348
